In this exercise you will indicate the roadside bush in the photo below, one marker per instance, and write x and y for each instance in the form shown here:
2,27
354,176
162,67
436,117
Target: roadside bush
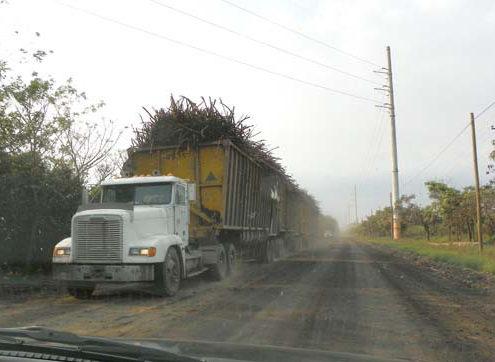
36,206
463,256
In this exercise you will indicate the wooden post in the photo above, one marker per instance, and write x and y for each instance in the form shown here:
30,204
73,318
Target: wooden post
477,184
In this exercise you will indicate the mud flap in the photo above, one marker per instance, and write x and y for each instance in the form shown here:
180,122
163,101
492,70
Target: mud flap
210,254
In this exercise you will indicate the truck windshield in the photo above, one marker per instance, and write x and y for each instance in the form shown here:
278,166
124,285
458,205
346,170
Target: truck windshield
148,194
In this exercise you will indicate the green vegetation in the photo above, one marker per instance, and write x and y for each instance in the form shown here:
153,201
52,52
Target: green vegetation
466,256
450,215
51,147
443,230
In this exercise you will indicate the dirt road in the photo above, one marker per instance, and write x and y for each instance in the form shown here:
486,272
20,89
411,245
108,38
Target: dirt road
346,296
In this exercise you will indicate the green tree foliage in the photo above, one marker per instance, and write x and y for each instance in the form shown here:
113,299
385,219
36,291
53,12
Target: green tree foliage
30,120
36,207
429,219
488,210
378,224
450,213
48,149
55,123
447,201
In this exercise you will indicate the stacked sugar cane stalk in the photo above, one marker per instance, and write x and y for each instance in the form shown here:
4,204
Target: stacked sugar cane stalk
187,124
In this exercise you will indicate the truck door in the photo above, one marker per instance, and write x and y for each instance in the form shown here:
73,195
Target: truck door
181,214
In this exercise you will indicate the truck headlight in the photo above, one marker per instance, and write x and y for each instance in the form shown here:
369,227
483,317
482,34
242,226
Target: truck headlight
59,251
151,251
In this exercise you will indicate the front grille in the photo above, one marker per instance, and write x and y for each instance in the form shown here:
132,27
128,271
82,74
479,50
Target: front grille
97,239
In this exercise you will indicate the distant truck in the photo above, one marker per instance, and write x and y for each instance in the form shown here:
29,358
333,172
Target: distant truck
328,234
215,204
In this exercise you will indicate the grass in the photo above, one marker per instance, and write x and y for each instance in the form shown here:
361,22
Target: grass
464,256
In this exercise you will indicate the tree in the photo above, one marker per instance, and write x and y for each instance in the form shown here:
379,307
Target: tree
378,224
49,146
29,121
429,219
53,122
35,209
451,212
89,148
447,200
488,209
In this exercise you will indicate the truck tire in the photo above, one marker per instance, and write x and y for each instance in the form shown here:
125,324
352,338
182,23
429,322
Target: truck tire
81,292
268,252
219,270
231,258
278,248
168,274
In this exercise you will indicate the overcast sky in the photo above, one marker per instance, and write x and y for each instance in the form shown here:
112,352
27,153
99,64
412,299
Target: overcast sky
443,59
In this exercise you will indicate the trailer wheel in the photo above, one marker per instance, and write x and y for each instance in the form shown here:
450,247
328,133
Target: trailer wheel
219,270
278,248
269,251
231,258
168,274
81,292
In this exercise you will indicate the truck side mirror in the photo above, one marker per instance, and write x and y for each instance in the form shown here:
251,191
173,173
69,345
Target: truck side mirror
191,191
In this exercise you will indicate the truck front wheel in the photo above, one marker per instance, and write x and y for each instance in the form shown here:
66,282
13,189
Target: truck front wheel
81,292
168,274
219,269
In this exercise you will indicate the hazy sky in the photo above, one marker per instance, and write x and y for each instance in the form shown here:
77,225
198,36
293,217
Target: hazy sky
443,59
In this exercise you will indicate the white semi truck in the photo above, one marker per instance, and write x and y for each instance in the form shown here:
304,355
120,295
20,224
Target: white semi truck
139,232
221,202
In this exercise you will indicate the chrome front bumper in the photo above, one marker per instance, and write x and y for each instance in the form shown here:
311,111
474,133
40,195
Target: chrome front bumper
104,273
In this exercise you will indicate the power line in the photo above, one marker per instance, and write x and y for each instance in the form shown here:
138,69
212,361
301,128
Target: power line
295,3
485,110
218,55
461,157
448,170
449,144
370,151
261,42
374,134
298,33
438,154
377,151
481,143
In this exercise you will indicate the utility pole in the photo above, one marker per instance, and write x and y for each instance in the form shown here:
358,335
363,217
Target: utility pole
477,184
391,218
355,205
395,168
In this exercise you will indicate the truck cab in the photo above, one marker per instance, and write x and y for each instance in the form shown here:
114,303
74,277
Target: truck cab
137,233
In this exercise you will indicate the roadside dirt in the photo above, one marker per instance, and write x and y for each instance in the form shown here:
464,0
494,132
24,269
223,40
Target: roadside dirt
342,297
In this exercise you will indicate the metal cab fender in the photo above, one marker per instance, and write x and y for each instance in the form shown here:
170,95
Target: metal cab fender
163,243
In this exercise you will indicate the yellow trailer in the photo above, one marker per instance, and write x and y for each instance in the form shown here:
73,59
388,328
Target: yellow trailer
239,198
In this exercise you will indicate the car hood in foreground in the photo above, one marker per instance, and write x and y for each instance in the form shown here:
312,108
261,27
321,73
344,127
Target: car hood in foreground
224,351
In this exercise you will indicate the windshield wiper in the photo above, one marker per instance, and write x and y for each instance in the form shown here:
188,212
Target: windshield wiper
90,344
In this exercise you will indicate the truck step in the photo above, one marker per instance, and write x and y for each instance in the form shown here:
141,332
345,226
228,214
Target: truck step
197,272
